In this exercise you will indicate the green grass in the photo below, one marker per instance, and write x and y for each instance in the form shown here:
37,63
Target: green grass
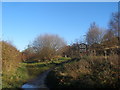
15,80
0,81
40,67
27,71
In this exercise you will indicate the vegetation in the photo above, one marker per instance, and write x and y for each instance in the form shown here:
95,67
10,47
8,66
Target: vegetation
16,71
96,64
11,70
88,72
95,34
98,68
16,79
44,47
23,73
39,67
11,57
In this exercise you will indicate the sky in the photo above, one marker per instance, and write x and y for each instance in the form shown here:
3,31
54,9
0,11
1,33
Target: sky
60,0
22,22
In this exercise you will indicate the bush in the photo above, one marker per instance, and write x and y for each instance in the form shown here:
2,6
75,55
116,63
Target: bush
11,57
89,72
105,72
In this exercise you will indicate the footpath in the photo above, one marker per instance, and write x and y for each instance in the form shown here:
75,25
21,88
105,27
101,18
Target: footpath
39,82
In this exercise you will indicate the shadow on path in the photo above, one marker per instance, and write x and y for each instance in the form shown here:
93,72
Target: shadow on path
39,82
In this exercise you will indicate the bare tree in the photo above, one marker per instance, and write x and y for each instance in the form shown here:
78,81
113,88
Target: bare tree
108,35
95,34
111,37
47,46
28,54
114,23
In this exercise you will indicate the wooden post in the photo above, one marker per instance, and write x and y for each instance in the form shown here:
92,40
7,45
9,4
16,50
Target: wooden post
105,52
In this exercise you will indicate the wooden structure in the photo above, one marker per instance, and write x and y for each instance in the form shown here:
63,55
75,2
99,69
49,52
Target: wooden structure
83,48
97,49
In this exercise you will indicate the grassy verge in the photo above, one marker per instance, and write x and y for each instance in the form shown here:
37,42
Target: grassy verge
88,72
15,80
26,72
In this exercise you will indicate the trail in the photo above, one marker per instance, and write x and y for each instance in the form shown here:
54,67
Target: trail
39,82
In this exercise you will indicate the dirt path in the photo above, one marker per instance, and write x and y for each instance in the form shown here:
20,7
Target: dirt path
38,83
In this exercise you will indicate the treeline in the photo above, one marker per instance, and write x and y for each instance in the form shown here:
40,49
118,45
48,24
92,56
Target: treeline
43,48
98,41
49,47
105,41
97,67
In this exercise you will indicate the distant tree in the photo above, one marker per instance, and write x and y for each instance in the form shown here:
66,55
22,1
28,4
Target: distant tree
95,34
111,37
28,54
47,46
114,27
108,35
114,23
66,51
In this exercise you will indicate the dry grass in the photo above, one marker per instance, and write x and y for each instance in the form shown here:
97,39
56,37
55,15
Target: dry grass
90,72
11,57
74,70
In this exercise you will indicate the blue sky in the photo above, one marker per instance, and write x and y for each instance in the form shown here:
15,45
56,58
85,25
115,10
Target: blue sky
24,21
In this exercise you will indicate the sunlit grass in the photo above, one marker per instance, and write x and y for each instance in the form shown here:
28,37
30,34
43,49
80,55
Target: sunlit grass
26,72
15,80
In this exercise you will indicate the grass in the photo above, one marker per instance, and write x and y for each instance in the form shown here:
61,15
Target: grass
40,67
88,72
15,80
26,72
0,81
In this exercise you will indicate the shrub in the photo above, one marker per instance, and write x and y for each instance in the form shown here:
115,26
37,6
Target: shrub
89,72
11,70
11,57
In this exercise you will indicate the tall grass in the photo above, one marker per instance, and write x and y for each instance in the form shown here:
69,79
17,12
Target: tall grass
11,59
88,72
16,79
26,72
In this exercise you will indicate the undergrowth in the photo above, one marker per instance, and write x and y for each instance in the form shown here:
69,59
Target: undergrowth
88,72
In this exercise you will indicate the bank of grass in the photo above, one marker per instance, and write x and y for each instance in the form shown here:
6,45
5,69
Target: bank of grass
34,69
15,80
26,72
88,72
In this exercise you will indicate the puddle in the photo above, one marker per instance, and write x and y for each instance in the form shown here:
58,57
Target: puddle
29,86
38,83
